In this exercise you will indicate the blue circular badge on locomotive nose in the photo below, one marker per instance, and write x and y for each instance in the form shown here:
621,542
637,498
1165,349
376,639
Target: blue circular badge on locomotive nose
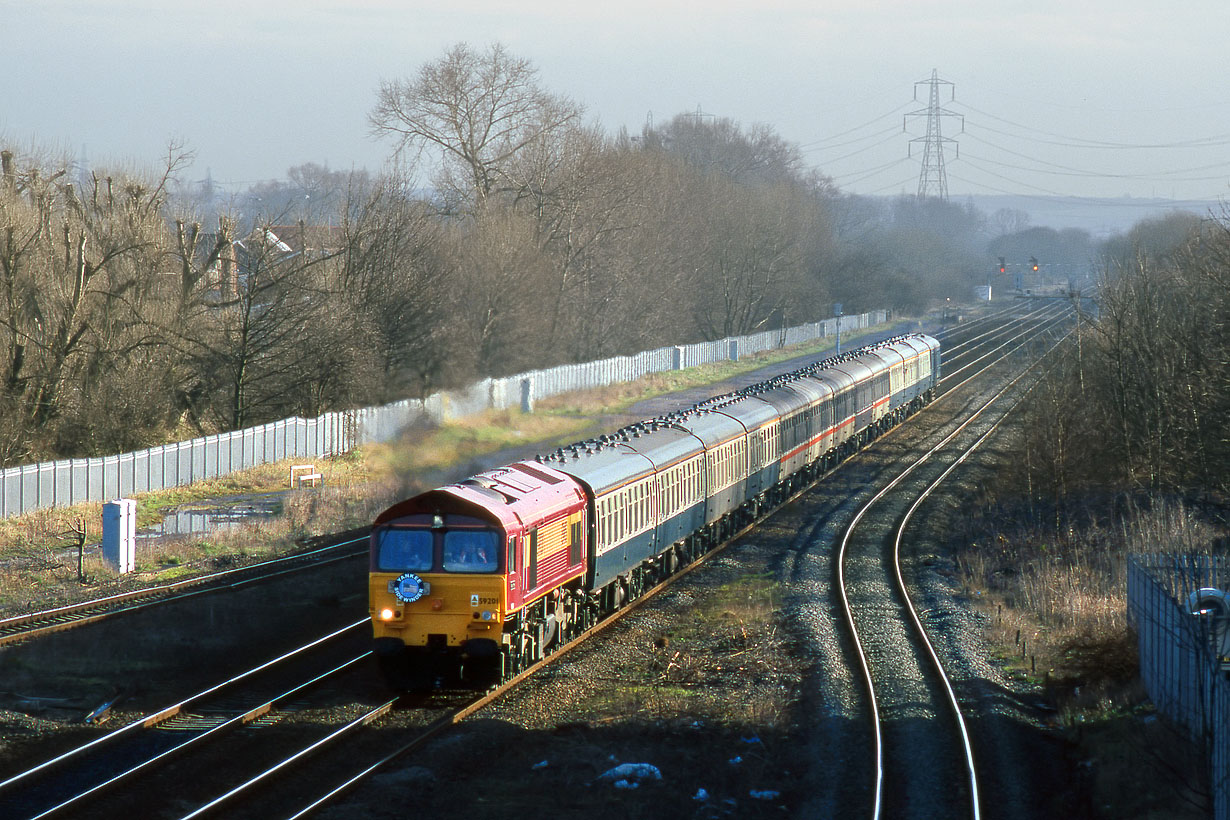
409,588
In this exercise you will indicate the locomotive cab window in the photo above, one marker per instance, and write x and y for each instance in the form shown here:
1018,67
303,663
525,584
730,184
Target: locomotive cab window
403,550
471,551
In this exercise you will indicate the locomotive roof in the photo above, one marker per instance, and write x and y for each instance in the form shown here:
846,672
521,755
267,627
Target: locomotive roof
521,491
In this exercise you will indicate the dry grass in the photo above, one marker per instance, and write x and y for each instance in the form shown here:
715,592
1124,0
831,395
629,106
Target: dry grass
1058,606
39,554
724,647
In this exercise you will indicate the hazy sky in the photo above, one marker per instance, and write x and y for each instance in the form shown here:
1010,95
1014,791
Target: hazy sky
1058,97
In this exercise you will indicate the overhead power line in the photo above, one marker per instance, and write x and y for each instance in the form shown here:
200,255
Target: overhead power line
892,130
1064,170
1017,154
1080,142
867,173
830,138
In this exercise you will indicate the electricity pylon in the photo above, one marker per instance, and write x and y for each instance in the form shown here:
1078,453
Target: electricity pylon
932,181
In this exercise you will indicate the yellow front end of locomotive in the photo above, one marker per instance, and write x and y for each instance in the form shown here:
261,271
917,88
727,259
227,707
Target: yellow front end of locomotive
437,609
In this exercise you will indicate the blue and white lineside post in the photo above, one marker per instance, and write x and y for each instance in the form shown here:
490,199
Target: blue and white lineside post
120,534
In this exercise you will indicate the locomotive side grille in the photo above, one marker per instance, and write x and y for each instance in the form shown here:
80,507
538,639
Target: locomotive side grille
553,565
552,538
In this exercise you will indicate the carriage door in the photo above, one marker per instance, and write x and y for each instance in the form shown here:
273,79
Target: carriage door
533,557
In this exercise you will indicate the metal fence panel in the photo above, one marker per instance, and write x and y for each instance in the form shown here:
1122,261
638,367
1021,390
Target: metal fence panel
157,467
1178,662
63,484
79,468
124,482
45,479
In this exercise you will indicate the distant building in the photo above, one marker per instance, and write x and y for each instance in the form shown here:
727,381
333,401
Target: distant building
265,247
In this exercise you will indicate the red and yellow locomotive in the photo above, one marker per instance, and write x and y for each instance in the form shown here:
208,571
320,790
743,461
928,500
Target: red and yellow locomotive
476,579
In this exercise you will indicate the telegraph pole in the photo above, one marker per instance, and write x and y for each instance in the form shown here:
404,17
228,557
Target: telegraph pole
932,181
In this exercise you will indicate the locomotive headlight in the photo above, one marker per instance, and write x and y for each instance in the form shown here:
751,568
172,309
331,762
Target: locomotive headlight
488,615
387,614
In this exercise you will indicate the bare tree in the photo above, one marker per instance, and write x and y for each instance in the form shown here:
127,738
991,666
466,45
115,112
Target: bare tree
396,278
502,273
1010,220
752,266
721,146
476,111
75,266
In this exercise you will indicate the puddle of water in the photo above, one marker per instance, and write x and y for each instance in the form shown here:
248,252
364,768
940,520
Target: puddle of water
197,519
223,514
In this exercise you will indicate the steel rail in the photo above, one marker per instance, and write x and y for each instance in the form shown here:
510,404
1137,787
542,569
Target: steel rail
154,718
1025,335
232,722
902,588
946,681
996,329
456,717
953,349
70,616
461,713
374,714
864,662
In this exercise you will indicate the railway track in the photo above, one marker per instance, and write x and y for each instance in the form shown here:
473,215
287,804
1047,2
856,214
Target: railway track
145,766
361,771
45,622
922,762
121,762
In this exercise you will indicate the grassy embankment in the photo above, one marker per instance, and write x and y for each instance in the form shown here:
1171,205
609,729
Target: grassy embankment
1056,608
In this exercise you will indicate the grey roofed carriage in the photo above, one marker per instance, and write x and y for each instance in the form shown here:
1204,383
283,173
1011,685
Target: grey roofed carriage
753,412
908,347
715,429
610,462
790,395
664,442
603,464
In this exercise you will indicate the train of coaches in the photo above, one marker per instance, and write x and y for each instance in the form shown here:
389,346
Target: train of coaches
473,582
